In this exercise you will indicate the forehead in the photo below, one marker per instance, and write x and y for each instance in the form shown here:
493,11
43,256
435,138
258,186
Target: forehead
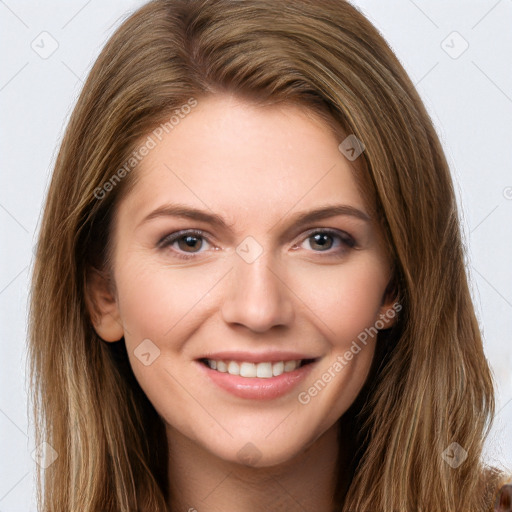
240,159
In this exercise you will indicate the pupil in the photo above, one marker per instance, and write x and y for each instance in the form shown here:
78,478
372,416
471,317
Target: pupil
320,236
190,241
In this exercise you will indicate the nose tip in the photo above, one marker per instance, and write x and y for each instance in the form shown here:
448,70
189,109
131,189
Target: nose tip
257,297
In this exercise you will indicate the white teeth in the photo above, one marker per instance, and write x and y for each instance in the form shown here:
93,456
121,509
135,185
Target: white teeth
248,370
289,366
277,368
264,370
233,368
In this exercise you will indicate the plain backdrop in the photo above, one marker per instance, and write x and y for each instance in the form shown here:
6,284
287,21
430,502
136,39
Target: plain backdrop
457,53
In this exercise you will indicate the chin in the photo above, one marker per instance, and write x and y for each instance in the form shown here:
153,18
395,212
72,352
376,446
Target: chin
258,451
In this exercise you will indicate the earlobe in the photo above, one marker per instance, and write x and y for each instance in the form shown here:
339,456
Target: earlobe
388,315
102,306
390,307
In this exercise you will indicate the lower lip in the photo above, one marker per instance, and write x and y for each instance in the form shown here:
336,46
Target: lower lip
255,388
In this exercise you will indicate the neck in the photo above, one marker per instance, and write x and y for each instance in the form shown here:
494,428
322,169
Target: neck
200,481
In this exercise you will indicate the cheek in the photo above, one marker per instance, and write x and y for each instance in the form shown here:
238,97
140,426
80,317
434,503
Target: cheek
346,305
333,304
344,300
155,301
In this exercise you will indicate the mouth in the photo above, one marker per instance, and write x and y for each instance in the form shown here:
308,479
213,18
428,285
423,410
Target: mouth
262,370
256,379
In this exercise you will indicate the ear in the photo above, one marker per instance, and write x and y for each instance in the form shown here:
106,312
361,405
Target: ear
389,308
102,306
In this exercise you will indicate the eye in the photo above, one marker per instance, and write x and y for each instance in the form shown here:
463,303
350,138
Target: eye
189,241
322,239
185,244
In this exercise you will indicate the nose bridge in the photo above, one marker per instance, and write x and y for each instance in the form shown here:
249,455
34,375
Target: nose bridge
257,295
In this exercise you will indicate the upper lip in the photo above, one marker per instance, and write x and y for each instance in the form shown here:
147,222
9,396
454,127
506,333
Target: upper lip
255,357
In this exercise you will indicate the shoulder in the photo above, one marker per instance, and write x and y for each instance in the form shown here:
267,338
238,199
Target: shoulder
504,499
496,489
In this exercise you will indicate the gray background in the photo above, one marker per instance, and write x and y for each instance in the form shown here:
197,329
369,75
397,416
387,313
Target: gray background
467,91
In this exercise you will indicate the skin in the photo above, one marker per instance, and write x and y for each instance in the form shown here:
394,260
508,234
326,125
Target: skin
256,167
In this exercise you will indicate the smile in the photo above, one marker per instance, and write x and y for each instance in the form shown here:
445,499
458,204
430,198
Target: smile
265,380
263,370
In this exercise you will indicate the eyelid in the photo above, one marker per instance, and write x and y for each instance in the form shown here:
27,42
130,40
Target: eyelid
331,231
175,235
345,237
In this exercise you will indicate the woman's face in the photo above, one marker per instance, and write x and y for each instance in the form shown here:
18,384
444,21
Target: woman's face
244,285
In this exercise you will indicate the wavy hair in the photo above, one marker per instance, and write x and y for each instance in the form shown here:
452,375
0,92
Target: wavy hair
429,388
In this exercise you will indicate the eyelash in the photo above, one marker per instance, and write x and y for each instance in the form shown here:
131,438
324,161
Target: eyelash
345,239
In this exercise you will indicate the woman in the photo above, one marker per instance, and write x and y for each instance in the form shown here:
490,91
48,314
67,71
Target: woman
265,370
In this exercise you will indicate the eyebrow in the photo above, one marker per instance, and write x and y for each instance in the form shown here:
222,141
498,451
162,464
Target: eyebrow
184,211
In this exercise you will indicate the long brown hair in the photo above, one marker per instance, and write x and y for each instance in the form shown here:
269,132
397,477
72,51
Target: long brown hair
433,387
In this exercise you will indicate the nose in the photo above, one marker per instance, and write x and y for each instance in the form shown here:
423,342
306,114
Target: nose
257,295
